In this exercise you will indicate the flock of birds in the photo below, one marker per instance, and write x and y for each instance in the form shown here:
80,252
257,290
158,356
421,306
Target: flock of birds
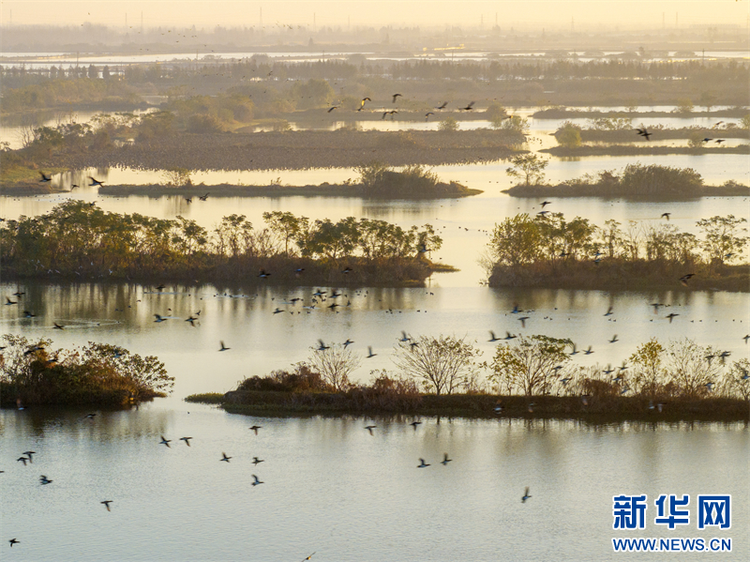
27,458
394,112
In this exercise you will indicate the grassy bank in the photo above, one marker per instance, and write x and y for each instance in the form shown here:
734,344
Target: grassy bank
596,409
296,150
618,274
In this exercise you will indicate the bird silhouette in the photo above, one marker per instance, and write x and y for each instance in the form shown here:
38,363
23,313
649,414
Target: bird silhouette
442,106
525,495
493,337
545,203
14,541
43,480
671,316
24,460
371,354
445,460
95,182
223,347
468,107
396,96
45,178
186,440
644,133
255,428
57,326
106,504
523,319
322,346
370,428
685,278
224,457
666,215
614,339
609,311
422,464
165,441
509,336
257,461
256,481
414,424
332,108
203,197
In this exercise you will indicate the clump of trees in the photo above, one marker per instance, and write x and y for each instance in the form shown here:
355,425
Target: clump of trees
31,373
551,249
539,365
379,180
79,240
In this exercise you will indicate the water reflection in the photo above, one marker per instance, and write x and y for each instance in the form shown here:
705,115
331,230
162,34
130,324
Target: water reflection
261,341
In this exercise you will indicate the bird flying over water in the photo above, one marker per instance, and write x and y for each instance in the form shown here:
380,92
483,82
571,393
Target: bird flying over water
666,215
370,428
442,106
644,133
468,107
44,177
396,96
96,182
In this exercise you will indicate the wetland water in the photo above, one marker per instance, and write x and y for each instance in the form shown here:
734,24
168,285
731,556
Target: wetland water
329,487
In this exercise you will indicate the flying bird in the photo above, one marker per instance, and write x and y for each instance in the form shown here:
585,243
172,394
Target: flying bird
666,215
224,347
224,457
256,482
165,441
671,316
370,428
468,107
442,106
106,504
13,541
422,464
96,182
44,177
186,440
523,320
43,480
525,495
257,461
445,460
396,96
371,354
255,428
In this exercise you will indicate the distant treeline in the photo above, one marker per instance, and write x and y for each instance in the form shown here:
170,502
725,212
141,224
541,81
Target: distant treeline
79,240
550,251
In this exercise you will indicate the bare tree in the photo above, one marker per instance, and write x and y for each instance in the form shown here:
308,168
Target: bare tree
693,369
443,364
334,364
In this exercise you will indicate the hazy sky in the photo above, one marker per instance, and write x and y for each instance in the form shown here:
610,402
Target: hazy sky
646,13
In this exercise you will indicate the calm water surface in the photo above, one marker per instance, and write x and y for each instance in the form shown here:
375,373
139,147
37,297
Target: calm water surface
331,488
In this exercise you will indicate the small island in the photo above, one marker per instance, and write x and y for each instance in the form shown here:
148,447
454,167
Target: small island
637,182
376,181
79,241
550,251
32,374
438,377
